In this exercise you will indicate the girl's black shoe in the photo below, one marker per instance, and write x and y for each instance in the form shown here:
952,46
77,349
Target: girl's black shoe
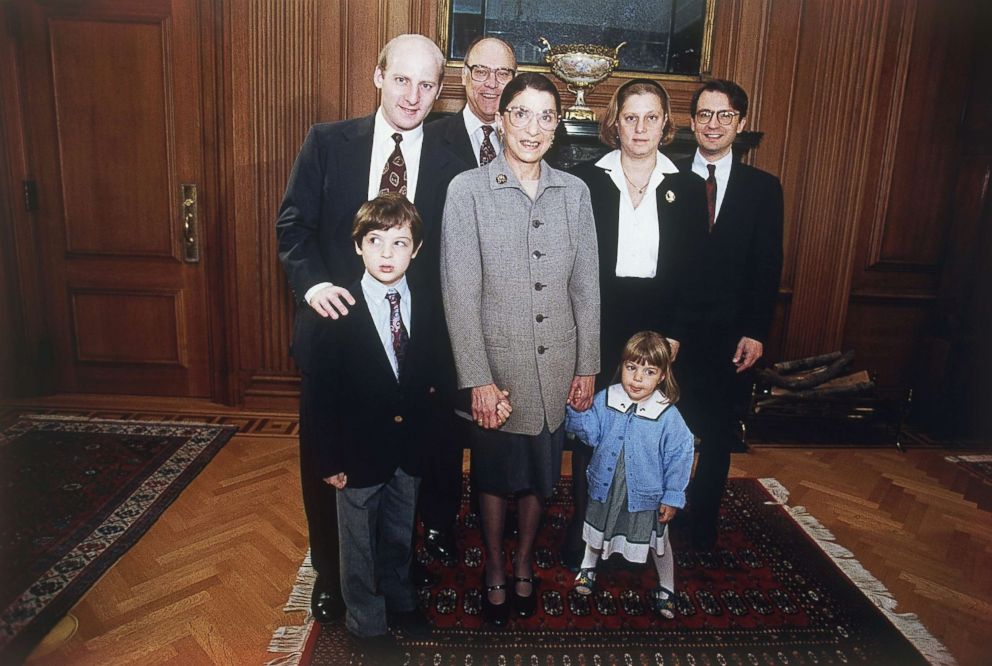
495,614
525,606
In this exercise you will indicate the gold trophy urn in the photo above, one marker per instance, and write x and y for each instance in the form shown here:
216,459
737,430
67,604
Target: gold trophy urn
581,66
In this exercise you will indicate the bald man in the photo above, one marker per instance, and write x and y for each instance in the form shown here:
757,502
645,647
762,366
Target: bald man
470,134
340,166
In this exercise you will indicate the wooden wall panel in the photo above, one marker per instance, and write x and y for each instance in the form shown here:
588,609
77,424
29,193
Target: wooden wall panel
837,88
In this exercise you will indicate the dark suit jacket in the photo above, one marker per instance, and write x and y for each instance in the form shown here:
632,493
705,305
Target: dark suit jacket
632,304
368,423
741,261
328,183
454,137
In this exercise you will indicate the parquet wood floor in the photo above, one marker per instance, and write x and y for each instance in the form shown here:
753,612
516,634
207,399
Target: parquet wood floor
207,584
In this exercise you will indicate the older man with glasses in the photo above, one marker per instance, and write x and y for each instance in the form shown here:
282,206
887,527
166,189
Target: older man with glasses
729,303
470,134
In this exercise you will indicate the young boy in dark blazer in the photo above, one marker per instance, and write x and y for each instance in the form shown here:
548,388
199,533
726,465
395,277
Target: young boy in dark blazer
376,370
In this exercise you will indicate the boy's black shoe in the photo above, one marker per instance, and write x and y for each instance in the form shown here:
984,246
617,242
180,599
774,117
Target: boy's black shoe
326,603
420,576
442,546
412,624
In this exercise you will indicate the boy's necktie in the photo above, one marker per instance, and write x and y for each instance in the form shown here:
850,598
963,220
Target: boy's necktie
394,172
487,153
397,329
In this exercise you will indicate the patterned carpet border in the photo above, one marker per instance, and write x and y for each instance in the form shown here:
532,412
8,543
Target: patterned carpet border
979,465
294,643
79,565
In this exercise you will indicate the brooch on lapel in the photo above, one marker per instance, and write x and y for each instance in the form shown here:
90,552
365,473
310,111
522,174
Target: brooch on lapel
669,196
500,179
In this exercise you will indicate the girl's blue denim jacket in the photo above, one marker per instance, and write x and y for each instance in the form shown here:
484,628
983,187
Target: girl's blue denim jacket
657,455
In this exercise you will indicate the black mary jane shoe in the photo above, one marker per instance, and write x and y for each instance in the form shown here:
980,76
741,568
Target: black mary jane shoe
523,606
495,614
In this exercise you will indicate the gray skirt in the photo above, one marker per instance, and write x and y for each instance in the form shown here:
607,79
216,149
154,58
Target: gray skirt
610,527
506,462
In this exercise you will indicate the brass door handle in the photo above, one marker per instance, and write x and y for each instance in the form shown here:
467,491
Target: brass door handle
191,223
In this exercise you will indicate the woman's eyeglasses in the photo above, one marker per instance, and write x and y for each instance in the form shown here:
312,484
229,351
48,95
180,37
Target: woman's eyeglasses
521,116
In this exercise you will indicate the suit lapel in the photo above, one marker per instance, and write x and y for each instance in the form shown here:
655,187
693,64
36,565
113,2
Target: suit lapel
416,350
435,163
456,135
607,198
729,202
356,159
366,338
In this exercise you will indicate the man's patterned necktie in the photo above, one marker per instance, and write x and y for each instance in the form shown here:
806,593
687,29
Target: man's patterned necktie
394,172
397,329
487,153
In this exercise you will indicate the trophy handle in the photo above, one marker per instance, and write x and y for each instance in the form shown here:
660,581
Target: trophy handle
547,44
616,51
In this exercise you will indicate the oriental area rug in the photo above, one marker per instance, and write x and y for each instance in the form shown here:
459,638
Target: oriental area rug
75,495
776,590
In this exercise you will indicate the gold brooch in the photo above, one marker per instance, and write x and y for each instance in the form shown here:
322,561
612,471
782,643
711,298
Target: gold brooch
500,179
669,196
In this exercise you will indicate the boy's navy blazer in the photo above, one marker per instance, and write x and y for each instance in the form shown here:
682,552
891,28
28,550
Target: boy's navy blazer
368,423
740,262
327,185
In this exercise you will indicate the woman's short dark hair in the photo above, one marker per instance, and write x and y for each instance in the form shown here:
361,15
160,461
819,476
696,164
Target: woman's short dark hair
531,80
736,95
608,132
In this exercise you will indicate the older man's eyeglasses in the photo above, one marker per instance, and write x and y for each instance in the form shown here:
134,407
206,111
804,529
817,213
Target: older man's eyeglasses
481,73
725,117
521,116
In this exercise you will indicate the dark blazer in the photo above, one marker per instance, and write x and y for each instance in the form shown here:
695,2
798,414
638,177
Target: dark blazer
632,304
741,261
369,423
328,183
454,137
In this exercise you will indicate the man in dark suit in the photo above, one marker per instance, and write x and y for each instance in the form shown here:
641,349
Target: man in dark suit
340,166
470,134
728,304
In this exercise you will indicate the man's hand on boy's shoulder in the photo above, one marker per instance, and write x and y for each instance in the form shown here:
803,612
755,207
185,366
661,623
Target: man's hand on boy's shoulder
331,301
339,480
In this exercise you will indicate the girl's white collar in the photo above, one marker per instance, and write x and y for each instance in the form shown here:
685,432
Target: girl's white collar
651,407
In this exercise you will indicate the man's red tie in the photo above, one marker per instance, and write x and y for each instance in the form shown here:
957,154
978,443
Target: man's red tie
711,194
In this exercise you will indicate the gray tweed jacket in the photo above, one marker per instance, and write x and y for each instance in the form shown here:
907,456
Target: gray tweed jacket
520,281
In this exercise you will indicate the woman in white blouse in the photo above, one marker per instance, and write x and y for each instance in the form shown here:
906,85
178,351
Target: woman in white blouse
649,217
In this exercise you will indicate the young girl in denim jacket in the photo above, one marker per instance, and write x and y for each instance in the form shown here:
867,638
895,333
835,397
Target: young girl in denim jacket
639,469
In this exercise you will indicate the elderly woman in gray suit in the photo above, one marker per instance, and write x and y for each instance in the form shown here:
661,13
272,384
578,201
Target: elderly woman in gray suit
520,279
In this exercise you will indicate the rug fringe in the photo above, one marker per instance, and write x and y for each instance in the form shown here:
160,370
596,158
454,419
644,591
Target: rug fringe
299,598
290,641
908,624
776,489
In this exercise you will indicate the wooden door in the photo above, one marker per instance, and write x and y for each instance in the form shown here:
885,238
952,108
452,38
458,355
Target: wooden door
114,115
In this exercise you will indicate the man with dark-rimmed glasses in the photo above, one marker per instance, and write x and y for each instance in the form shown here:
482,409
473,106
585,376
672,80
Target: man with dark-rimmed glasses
729,302
470,134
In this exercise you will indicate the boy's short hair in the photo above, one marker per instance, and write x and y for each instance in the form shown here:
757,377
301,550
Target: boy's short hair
387,211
